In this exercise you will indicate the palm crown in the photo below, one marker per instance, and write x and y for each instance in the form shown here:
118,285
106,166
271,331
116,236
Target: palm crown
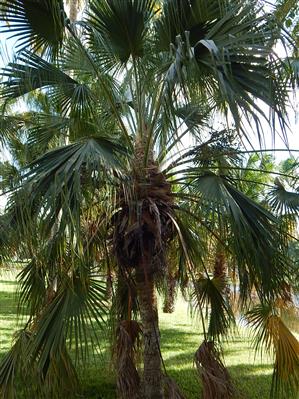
124,91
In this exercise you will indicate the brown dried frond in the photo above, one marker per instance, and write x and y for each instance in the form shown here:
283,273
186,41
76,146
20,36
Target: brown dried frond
172,391
285,380
125,353
216,380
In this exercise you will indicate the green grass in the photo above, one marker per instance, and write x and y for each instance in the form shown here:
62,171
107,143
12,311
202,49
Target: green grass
180,337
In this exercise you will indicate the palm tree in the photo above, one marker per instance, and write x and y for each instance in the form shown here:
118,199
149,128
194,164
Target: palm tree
135,87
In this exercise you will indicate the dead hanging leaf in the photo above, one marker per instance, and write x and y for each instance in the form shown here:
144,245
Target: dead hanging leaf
125,353
285,382
272,333
172,391
216,380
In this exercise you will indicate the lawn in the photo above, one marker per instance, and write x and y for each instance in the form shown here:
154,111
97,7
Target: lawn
180,337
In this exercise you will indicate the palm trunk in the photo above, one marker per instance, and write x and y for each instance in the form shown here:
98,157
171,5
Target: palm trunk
152,375
169,300
73,10
142,229
109,285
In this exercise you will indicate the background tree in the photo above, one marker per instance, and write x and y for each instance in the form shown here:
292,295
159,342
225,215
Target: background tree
287,12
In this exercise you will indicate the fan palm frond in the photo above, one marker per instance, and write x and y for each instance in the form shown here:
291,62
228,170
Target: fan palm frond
210,293
283,201
31,72
9,176
118,28
32,287
59,176
12,363
254,232
46,129
9,124
78,305
39,24
224,62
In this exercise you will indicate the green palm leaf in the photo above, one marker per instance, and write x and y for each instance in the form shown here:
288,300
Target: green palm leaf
9,124
254,234
32,286
32,72
61,178
283,201
226,51
118,28
9,176
210,293
76,311
37,23
47,128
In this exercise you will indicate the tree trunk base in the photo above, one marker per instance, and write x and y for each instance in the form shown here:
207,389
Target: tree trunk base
152,374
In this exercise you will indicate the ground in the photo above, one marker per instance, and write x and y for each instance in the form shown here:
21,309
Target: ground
180,337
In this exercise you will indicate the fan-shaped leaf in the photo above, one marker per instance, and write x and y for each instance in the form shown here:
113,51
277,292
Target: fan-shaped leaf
283,201
211,294
254,233
120,26
37,23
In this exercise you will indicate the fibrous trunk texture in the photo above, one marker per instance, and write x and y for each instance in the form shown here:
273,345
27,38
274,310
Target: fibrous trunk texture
109,285
152,376
74,6
220,270
220,265
169,300
142,229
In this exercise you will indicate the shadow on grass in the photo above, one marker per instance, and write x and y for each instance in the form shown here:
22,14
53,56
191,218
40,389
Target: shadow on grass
8,282
251,381
179,343
98,383
8,303
173,337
